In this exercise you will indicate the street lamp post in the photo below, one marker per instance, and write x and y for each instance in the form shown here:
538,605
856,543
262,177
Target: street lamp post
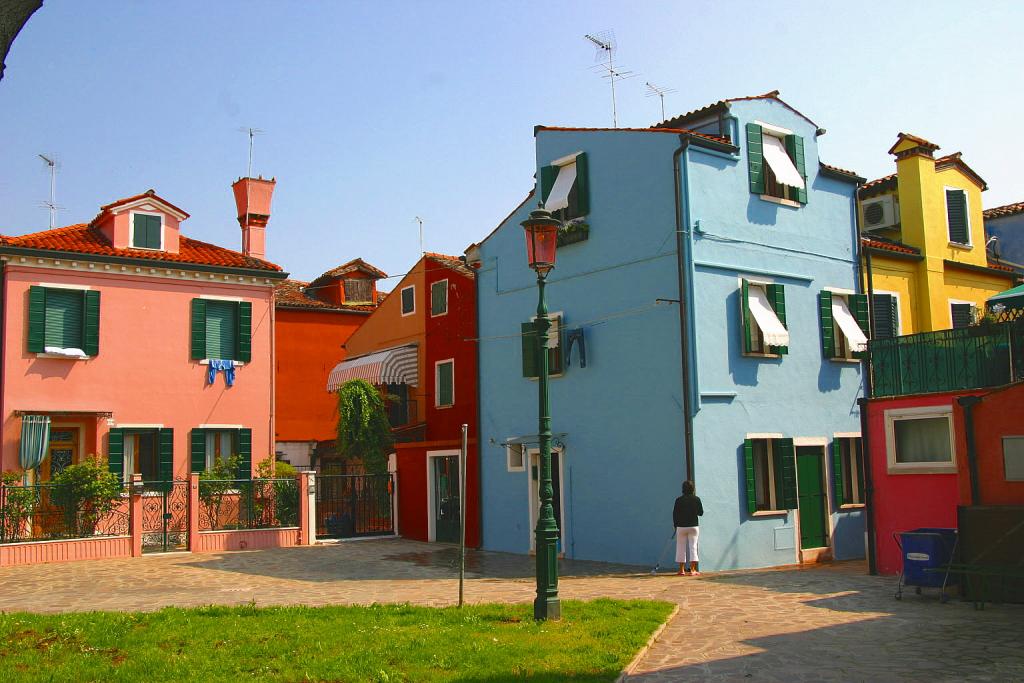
541,243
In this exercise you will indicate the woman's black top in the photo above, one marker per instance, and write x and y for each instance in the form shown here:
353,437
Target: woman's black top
687,510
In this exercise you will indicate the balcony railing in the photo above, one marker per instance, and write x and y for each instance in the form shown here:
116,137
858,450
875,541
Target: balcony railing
976,357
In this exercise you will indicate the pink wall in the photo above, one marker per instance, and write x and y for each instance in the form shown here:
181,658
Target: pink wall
65,551
143,373
118,226
903,502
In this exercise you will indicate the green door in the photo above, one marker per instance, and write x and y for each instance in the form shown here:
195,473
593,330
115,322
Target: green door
446,498
811,497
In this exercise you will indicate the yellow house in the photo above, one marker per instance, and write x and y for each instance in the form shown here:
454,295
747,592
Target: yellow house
923,243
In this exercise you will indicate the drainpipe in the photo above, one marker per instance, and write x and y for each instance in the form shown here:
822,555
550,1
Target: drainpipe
865,439
968,403
681,189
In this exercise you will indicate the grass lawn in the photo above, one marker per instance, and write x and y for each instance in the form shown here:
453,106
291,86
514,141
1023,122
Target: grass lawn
593,642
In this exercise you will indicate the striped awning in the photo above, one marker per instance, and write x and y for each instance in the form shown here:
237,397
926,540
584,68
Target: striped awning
399,365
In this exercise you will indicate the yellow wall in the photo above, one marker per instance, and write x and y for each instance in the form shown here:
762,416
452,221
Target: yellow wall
928,284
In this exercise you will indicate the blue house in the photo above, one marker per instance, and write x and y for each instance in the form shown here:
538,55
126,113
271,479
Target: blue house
709,327
1006,225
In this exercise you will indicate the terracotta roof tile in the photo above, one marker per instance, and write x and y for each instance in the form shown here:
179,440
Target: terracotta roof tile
954,159
995,265
873,187
85,239
451,262
1006,210
841,171
675,121
888,245
921,142
292,294
653,129
148,193
354,264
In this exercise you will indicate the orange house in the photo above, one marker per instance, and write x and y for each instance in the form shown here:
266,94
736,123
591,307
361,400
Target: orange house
314,321
990,446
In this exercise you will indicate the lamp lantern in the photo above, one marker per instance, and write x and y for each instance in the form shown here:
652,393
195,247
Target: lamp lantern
541,240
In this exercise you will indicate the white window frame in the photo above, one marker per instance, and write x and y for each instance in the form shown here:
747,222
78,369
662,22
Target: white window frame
437,383
899,414
1006,476
950,303
763,284
401,301
767,437
777,132
211,433
509,445
131,229
967,215
445,311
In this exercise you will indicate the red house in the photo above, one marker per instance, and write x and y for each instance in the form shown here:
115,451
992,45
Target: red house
421,343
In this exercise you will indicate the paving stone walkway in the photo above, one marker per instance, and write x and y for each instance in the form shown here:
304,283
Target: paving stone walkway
830,623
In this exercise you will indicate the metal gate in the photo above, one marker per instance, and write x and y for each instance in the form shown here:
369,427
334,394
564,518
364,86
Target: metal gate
349,505
164,516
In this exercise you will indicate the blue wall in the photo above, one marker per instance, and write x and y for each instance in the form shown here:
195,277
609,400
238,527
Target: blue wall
1010,231
622,415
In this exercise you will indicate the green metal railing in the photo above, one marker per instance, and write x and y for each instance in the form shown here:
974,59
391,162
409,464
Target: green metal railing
976,357
248,504
47,512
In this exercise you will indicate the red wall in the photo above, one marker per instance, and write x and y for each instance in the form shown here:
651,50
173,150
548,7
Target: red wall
309,345
902,502
413,512
1000,413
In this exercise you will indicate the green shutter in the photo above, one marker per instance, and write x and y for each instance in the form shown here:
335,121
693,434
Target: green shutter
555,354
748,471
582,193
244,441
222,327
745,318
408,302
956,213
828,341
837,471
784,454
244,353
197,451
859,307
165,455
115,453
439,297
91,333
777,299
547,181
859,458
146,231
755,158
198,329
36,319
529,338
444,384
64,318
795,148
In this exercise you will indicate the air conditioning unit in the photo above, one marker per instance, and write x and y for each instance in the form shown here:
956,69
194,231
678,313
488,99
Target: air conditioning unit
880,213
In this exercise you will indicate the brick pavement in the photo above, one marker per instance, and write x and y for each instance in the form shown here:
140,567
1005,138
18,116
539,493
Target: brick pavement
821,624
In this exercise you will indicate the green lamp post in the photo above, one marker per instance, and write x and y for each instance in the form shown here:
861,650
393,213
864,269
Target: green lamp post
541,243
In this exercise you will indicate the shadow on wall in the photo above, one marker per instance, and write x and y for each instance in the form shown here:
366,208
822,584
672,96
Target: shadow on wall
46,368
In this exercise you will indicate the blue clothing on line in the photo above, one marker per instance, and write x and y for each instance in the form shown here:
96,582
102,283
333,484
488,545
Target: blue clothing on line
228,366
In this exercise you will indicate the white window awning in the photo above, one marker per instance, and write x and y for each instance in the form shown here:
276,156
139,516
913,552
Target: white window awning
772,329
558,198
777,157
399,365
855,338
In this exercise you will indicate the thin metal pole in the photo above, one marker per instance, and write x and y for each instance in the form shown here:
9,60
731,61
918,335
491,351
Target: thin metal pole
611,73
462,513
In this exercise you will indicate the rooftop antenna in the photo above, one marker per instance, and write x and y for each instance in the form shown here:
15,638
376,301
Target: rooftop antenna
51,161
655,91
420,221
253,132
605,44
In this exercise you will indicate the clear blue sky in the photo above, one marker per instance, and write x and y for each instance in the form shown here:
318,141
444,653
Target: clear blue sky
376,112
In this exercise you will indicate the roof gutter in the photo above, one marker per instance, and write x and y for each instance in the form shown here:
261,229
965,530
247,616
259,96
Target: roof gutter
148,263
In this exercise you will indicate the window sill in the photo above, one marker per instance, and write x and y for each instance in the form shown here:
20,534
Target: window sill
238,363
62,356
444,407
780,200
770,513
762,355
851,507
923,468
846,360
146,248
961,246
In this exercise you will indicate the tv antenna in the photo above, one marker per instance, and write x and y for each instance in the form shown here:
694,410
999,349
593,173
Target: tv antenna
253,132
605,45
655,91
51,161
420,221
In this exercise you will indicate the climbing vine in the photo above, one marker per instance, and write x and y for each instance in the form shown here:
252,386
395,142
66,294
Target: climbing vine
364,433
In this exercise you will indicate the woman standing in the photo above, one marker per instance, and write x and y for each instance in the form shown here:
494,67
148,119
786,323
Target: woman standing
684,516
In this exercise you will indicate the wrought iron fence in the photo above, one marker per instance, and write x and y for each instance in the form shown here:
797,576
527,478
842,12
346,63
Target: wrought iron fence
985,355
354,505
164,516
248,504
47,512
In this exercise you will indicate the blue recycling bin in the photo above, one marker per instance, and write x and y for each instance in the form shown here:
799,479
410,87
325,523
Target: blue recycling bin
926,549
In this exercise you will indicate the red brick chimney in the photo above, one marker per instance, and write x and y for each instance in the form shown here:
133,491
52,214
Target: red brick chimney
252,197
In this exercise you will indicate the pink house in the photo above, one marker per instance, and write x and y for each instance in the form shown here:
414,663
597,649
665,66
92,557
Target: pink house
110,332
